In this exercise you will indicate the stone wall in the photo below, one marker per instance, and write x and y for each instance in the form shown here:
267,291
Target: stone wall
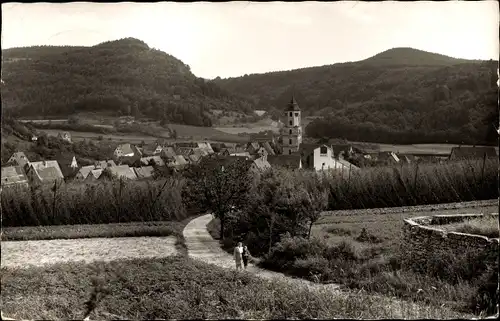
424,243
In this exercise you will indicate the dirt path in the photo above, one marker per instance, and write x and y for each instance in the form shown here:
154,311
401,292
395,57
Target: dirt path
46,252
203,247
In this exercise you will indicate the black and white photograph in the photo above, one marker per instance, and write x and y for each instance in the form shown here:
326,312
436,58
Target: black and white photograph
250,160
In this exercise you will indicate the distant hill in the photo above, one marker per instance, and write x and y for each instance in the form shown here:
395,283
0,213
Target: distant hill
402,95
413,57
122,77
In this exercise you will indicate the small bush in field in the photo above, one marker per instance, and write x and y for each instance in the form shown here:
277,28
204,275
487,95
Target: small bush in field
367,237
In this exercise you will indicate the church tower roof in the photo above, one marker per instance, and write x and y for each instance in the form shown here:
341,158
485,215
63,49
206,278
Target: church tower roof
292,105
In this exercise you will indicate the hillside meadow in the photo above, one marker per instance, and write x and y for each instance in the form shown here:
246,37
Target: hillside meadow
182,288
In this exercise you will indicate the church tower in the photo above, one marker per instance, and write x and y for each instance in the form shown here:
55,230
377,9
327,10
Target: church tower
291,132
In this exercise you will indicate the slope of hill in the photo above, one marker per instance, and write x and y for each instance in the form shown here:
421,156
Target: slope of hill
123,77
400,96
413,57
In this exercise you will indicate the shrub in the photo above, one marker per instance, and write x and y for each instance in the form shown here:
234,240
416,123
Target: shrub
364,236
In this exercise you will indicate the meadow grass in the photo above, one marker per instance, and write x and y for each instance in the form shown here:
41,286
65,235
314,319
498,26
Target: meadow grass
466,286
181,288
485,226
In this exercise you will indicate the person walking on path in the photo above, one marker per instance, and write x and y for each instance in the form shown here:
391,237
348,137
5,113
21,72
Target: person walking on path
238,255
246,256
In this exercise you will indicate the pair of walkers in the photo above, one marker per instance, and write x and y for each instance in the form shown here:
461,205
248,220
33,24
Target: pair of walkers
241,255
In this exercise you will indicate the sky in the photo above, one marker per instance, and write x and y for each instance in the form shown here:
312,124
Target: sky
235,38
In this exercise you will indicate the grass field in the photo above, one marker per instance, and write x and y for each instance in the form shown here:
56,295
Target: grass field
485,226
386,228
248,130
181,288
129,138
184,132
205,133
437,149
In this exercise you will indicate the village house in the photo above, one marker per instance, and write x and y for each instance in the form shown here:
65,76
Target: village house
44,172
178,161
18,159
267,146
121,172
322,158
168,152
260,165
84,171
126,150
94,175
14,176
194,158
224,152
157,160
206,147
68,164
104,163
152,149
342,151
292,162
252,147
197,154
144,172
64,136
202,152
461,153
184,151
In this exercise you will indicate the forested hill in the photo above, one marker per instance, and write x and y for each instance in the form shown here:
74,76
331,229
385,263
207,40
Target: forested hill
120,77
402,95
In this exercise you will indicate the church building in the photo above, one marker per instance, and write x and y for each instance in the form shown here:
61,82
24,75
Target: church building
291,132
